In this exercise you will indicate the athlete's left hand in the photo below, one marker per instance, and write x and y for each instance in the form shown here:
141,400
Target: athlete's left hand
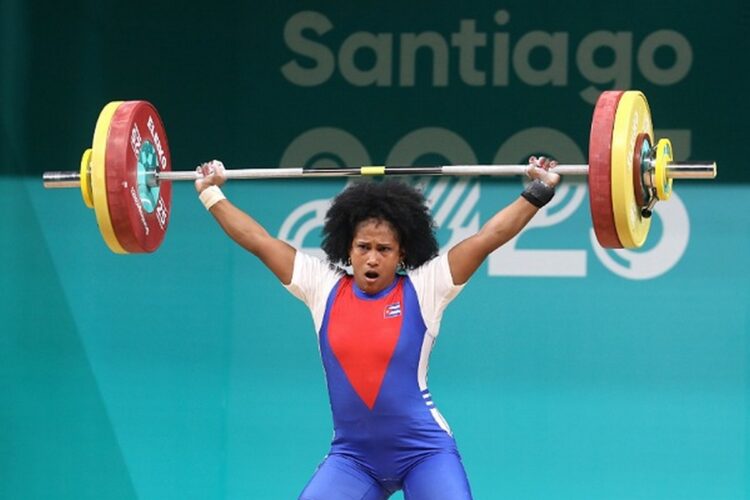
539,168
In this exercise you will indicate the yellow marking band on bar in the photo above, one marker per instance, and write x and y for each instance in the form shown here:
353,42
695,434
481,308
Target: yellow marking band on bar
372,170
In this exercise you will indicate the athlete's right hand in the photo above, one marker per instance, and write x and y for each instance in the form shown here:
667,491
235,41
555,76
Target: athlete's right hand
211,173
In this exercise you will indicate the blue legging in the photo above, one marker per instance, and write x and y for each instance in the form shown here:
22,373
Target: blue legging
439,477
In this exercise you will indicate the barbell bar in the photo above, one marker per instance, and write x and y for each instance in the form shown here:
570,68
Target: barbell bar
675,170
125,177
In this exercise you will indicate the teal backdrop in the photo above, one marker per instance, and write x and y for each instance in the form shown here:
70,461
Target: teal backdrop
565,370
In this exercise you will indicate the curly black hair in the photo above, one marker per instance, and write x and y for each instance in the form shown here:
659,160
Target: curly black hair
399,204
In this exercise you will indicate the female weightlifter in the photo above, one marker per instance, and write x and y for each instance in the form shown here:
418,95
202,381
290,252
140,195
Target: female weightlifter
376,326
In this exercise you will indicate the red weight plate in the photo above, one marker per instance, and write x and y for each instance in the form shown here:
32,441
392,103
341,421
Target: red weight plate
600,176
137,143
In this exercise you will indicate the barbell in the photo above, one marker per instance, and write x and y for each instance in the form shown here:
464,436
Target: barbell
124,175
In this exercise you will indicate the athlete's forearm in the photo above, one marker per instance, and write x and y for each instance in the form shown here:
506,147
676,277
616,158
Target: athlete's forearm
239,226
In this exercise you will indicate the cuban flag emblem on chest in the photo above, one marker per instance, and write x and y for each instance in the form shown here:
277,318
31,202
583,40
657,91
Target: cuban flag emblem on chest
392,310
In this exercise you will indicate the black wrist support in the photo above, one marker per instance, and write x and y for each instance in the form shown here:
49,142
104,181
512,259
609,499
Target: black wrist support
538,193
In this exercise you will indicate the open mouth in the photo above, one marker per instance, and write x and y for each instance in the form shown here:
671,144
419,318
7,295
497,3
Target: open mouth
371,275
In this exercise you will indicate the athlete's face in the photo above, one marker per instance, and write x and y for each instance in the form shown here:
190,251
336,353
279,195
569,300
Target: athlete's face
375,254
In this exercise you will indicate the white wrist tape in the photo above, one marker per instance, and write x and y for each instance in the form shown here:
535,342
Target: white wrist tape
211,196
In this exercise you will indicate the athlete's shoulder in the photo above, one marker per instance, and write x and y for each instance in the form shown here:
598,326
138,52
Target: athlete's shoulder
435,266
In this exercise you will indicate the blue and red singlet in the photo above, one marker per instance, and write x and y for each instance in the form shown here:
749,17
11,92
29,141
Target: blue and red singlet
388,434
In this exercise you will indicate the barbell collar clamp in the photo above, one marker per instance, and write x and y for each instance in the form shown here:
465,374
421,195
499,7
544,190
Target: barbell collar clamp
648,210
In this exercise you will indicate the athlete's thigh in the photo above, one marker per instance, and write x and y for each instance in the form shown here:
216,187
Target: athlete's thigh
339,478
439,477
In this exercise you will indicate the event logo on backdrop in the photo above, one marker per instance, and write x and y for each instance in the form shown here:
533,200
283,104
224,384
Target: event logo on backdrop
314,62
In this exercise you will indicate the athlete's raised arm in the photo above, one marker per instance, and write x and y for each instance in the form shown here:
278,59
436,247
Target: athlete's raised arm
466,257
276,254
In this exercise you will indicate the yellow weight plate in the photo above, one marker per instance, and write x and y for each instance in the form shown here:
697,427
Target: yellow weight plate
88,197
663,157
99,177
633,118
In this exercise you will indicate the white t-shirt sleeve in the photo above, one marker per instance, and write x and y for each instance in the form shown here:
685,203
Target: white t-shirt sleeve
312,282
435,290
